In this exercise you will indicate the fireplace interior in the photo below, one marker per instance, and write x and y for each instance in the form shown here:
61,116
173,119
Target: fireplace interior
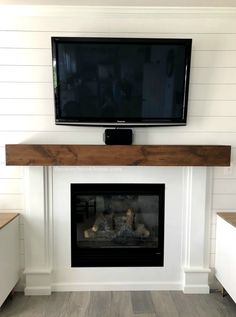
117,225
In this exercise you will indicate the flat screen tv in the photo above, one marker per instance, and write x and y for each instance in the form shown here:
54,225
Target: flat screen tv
121,81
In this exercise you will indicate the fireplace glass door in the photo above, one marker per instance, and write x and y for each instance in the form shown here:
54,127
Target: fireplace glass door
117,224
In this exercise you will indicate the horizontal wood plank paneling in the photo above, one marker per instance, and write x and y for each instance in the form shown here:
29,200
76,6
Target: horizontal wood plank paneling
78,135
26,90
11,201
213,76
135,155
212,108
26,93
8,172
95,136
226,173
22,56
214,58
224,201
21,74
42,57
11,186
47,123
43,74
45,91
113,20
42,40
224,186
203,108
2,155
212,92
32,40
27,106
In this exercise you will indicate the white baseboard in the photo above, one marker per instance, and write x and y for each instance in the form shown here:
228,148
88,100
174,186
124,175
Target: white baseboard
196,289
76,287
196,281
35,291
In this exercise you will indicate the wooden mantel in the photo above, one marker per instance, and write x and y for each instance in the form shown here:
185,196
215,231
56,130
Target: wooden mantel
120,155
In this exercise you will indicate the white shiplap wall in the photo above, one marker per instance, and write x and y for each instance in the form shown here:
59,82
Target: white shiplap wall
26,91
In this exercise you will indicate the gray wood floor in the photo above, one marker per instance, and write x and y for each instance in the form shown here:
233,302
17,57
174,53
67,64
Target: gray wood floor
119,304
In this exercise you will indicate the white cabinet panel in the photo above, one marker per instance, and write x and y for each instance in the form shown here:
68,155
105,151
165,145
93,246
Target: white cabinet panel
9,258
225,259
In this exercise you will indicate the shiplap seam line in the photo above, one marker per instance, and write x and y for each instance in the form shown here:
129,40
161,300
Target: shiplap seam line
112,34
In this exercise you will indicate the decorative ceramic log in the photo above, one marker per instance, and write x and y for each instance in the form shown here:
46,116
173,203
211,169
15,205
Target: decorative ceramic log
117,227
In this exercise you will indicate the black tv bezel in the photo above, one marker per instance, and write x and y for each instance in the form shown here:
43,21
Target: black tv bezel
122,122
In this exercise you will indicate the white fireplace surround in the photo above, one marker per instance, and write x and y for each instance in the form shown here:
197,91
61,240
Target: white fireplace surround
186,234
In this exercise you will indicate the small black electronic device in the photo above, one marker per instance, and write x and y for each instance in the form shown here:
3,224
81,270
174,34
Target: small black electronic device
118,136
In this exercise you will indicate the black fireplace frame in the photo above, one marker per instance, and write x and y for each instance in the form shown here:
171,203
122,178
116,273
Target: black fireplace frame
119,257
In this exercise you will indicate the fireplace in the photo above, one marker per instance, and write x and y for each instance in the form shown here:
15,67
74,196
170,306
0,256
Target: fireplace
48,230
117,225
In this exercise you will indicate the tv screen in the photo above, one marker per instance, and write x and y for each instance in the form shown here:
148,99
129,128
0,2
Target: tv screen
115,81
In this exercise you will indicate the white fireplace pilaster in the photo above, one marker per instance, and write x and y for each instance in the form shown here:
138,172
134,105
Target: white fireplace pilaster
41,275
38,231
196,224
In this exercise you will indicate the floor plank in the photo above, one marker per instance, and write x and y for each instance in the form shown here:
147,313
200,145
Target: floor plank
121,304
164,304
225,305
35,307
184,304
14,306
145,315
142,302
207,305
99,305
57,305
78,304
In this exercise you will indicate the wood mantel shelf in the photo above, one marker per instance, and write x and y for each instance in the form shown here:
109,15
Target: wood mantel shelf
120,155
